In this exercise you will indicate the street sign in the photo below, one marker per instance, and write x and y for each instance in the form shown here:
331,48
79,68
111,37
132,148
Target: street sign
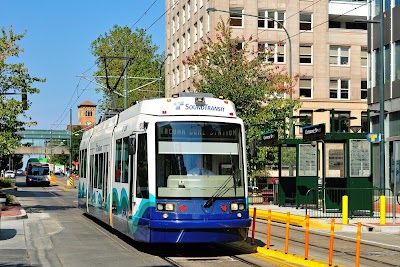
314,132
373,137
269,137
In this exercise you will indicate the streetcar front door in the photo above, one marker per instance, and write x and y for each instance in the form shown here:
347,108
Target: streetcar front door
140,190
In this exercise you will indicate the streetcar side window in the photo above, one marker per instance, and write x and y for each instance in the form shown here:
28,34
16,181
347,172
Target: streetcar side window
142,184
96,170
118,151
124,160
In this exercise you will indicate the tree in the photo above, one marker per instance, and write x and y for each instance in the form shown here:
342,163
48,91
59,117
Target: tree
231,68
14,80
145,63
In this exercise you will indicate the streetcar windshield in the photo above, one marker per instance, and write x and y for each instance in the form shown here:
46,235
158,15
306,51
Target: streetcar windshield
199,159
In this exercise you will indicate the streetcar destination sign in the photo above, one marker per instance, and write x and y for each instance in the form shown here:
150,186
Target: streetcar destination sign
314,132
269,137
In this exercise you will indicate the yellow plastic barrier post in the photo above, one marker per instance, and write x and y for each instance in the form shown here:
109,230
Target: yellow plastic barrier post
345,209
382,210
358,244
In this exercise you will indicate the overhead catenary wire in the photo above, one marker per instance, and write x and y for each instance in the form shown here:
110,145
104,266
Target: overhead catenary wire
70,103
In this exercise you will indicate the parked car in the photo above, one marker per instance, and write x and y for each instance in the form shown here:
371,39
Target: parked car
9,174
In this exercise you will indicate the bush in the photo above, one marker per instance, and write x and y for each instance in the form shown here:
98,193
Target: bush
7,183
9,198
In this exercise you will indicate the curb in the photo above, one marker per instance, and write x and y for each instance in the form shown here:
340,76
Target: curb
21,216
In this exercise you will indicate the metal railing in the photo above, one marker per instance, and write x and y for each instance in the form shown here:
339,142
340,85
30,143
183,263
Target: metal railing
362,202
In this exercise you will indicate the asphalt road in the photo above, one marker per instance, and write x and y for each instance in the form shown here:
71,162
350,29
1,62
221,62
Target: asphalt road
56,233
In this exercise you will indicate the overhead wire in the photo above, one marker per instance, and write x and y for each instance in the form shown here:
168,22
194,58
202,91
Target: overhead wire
64,114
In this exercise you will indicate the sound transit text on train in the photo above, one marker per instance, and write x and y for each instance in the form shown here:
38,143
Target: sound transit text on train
229,132
205,107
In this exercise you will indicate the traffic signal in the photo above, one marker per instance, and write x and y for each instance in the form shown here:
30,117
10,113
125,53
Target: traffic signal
24,99
253,148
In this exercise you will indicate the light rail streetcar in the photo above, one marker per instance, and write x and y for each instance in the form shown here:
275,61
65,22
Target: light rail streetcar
168,170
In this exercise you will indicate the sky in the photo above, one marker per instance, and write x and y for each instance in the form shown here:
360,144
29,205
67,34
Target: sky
57,47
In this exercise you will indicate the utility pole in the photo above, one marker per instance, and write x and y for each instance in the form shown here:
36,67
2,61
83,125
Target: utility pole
125,81
70,141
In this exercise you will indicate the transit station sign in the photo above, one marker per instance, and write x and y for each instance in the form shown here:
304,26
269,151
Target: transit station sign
269,137
314,132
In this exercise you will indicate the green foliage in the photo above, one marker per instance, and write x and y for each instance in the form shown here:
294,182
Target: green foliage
244,77
9,198
14,78
146,63
7,183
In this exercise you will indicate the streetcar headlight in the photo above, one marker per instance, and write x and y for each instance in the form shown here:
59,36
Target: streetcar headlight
169,207
234,206
238,206
165,206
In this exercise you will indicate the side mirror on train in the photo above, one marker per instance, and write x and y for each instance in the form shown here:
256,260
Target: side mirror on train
132,145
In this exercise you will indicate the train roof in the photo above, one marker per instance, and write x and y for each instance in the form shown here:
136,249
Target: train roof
184,105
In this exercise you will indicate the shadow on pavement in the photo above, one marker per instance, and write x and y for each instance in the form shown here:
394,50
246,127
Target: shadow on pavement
7,234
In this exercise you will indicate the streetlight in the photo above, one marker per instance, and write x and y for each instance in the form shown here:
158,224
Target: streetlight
381,94
159,81
289,40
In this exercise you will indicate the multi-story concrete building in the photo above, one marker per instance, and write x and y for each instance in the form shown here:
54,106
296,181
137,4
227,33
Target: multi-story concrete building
328,49
391,80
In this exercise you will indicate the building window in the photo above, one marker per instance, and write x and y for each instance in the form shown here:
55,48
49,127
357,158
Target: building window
239,46
188,10
364,121
364,89
341,120
339,89
183,42
188,38
271,19
195,6
387,64
305,88
397,2
397,60
183,73
201,27
236,17
273,53
177,75
173,77
173,25
201,3
364,57
262,51
305,22
305,54
195,33
208,22
278,53
376,72
173,51
177,48
177,22
88,113
339,55
306,117
183,14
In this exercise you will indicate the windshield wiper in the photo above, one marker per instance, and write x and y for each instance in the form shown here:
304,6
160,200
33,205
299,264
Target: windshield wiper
218,192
